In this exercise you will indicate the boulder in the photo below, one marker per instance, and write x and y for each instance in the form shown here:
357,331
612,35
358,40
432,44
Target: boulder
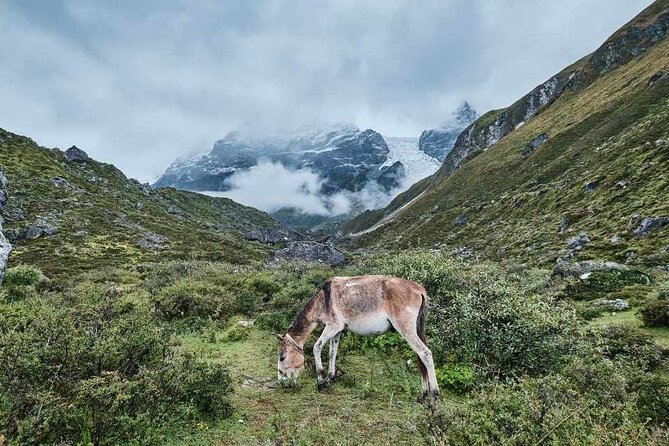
535,143
649,224
460,220
578,242
580,269
272,236
76,154
311,252
613,304
590,186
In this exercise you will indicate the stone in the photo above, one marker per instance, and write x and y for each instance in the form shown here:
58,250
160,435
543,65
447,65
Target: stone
139,207
391,177
272,236
75,154
621,184
310,252
535,143
578,269
460,220
590,186
613,304
578,242
649,224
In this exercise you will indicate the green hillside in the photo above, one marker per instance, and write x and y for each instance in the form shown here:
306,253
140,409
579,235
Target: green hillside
71,216
601,171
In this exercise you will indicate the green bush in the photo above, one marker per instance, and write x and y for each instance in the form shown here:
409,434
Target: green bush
456,377
22,275
622,343
187,297
236,333
592,403
75,371
655,313
599,283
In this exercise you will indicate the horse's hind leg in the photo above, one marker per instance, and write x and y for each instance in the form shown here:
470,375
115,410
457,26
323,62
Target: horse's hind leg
334,346
407,328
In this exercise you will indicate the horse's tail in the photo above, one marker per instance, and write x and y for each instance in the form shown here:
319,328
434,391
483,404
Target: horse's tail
420,329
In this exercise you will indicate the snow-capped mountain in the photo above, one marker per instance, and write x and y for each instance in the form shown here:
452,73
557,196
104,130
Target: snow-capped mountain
343,156
438,142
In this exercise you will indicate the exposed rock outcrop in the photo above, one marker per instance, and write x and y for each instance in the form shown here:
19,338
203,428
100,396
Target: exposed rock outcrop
578,269
535,143
273,235
76,154
5,246
311,252
438,142
649,224
391,176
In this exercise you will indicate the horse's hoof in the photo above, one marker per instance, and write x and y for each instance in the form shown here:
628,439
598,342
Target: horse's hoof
421,398
320,385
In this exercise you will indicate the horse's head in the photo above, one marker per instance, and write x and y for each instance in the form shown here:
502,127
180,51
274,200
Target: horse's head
291,358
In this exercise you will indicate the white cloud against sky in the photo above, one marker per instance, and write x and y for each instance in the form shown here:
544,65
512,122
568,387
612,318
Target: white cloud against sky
138,83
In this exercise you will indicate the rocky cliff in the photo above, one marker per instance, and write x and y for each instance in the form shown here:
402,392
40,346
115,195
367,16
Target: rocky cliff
438,142
5,247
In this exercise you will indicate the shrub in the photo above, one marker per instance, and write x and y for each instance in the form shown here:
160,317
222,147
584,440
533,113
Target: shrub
22,275
599,283
456,377
655,313
625,344
237,333
97,372
592,404
187,297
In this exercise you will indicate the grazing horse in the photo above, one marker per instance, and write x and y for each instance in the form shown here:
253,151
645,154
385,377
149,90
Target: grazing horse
366,305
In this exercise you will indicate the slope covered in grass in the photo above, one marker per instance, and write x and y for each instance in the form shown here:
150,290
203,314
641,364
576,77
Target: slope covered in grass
601,170
88,214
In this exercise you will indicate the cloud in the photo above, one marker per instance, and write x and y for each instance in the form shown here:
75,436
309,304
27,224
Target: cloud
140,83
271,186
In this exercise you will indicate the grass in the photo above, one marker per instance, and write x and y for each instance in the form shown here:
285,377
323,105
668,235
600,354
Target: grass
372,402
629,318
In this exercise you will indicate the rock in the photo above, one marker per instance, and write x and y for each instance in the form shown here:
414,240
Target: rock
76,154
80,234
13,213
151,241
613,305
535,143
391,177
5,246
590,186
434,209
649,224
245,324
621,184
660,76
578,269
60,182
273,235
38,229
460,220
438,142
311,252
578,242
139,207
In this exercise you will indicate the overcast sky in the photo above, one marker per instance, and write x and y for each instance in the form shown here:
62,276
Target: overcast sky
137,83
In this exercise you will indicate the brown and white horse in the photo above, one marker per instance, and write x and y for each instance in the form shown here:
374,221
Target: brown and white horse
366,305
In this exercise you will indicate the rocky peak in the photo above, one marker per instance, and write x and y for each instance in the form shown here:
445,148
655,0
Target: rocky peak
465,114
76,154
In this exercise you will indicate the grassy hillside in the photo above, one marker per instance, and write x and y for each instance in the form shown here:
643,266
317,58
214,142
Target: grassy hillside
601,171
100,218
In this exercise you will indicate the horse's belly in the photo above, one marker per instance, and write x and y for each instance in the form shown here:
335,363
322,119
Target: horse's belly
370,325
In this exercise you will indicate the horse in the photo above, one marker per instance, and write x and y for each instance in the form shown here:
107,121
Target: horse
366,305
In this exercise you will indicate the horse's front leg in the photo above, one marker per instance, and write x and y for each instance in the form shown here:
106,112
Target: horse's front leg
328,332
334,346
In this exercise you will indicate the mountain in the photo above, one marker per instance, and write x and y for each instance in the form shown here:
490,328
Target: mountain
438,142
575,168
345,157
66,212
